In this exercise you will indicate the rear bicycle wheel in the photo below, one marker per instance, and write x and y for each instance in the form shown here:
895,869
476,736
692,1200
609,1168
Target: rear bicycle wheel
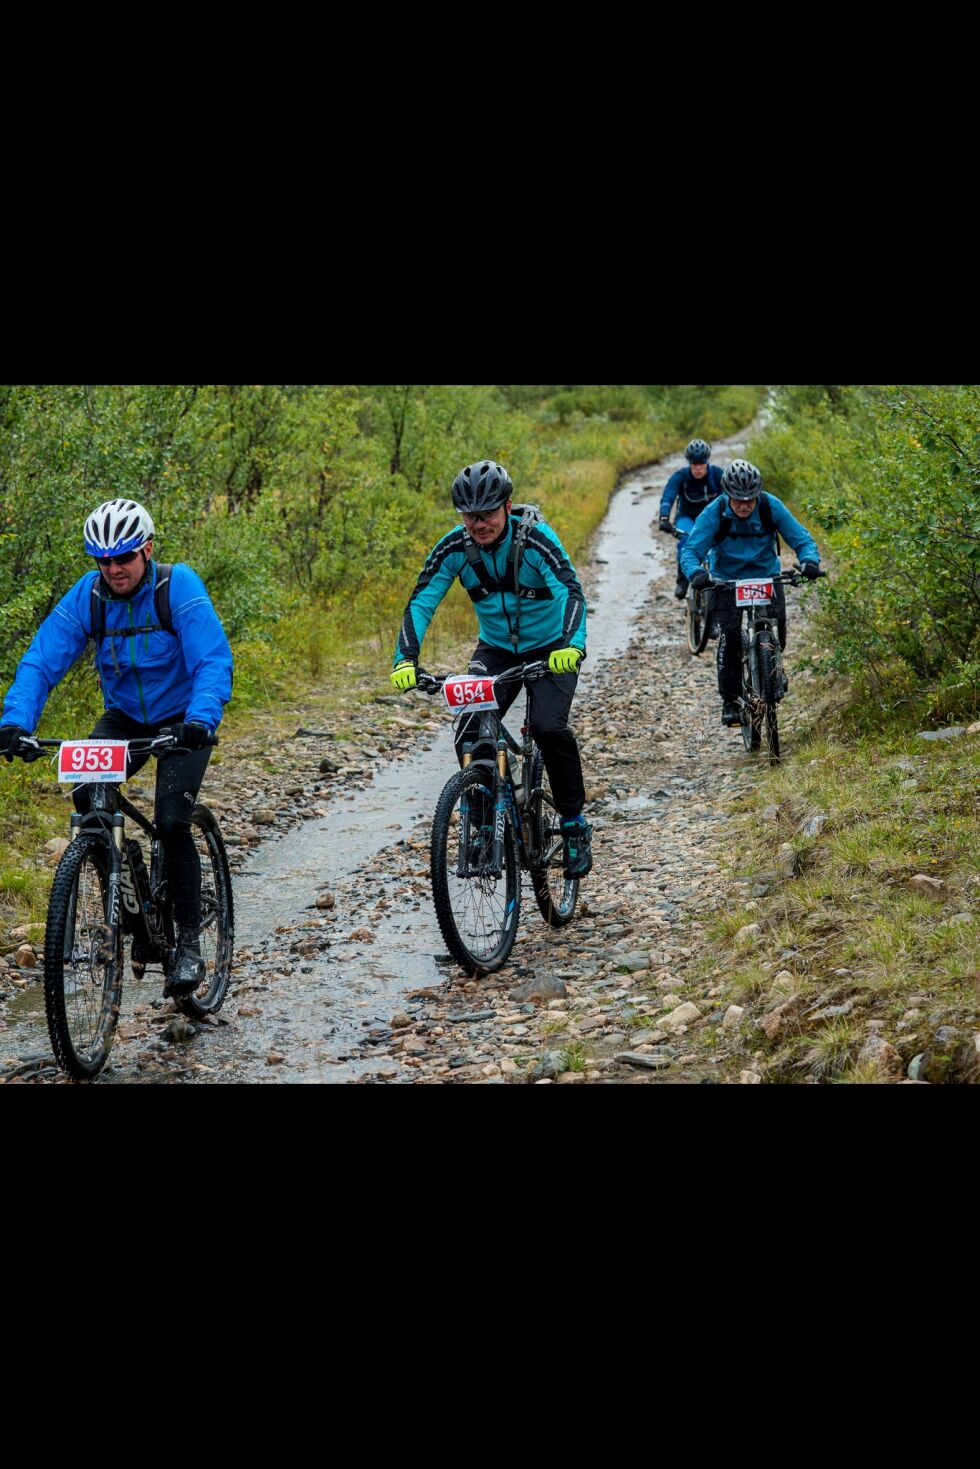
768,677
217,918
554,893
697,609
83,971
477,911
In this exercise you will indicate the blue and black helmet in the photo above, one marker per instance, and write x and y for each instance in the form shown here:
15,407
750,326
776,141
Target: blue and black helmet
482,486
697,452
741,480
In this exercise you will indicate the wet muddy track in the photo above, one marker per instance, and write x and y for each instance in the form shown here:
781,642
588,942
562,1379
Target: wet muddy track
317,988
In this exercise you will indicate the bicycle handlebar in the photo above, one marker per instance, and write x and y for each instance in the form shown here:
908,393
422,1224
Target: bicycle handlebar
793,578
431,683
29,746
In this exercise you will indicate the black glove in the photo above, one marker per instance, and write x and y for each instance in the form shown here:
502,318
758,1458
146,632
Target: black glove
193,736
700,579
9,735
665,523
810,570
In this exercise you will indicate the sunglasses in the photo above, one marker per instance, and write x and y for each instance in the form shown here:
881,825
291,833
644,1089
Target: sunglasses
123,560
479,519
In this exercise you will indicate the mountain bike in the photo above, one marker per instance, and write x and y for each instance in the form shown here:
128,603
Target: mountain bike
491,824
697,609
764,681
102,893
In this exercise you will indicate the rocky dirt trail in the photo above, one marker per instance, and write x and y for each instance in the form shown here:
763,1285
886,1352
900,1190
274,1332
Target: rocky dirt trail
341,973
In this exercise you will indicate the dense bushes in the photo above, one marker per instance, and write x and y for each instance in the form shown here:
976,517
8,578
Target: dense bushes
889,478
307,508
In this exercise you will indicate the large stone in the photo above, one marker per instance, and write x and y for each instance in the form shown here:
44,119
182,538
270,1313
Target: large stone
747,934
929,887
815,824
25,957
551,1064
883,1056
733,1017
953,732
645,1060
685,1014
540,990
749,1078
973,728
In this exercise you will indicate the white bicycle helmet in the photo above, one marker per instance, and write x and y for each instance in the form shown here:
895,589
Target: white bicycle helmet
116,527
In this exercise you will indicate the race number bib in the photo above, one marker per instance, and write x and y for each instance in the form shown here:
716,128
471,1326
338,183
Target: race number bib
753,593
469,692
92,760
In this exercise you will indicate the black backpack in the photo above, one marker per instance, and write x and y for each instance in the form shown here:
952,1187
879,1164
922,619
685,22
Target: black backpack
161,607
530,516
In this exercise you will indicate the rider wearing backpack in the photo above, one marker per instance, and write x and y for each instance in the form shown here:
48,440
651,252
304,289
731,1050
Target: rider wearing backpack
530,606
164,665
738,536
693,488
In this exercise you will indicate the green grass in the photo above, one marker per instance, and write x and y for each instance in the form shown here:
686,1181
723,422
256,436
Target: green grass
849,925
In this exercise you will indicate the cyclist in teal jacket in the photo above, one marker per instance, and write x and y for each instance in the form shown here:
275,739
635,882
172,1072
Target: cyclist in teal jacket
737,537
541,615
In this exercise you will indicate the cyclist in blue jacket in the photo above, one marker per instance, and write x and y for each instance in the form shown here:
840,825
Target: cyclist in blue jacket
545,621
154,680
693,488
737,536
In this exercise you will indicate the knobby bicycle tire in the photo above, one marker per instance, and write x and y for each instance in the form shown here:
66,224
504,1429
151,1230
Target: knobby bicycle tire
767,691
82,988
555,894
477,915
217,919
749,710
697,610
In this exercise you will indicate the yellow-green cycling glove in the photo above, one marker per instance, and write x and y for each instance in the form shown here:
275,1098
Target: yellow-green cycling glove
565,660
404,677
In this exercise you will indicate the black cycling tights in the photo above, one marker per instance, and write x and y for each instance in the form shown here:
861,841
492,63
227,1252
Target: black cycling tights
179,779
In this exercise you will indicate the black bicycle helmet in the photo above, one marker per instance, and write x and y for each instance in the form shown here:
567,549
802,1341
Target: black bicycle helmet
482,486
741,480
697,452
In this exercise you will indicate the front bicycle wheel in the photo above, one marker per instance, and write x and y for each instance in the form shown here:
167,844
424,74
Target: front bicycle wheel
749,706
477,909
555,894
698,618
217,917
83,969
768,678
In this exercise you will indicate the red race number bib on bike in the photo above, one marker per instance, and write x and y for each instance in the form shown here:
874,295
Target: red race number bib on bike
92,760
469,692
753,593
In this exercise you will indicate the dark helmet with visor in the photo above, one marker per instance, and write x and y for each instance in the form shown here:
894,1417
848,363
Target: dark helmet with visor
482,486
741,480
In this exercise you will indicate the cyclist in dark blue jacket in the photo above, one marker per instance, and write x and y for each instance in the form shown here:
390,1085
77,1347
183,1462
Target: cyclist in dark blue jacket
737,536
546,621
153,679
693,488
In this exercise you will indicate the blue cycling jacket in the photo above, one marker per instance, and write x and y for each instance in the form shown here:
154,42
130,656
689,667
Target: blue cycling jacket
694,494
748,548
552,602
155,676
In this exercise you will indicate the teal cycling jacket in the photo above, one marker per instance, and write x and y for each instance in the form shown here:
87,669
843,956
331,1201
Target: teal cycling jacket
153,676
748,549
552,601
